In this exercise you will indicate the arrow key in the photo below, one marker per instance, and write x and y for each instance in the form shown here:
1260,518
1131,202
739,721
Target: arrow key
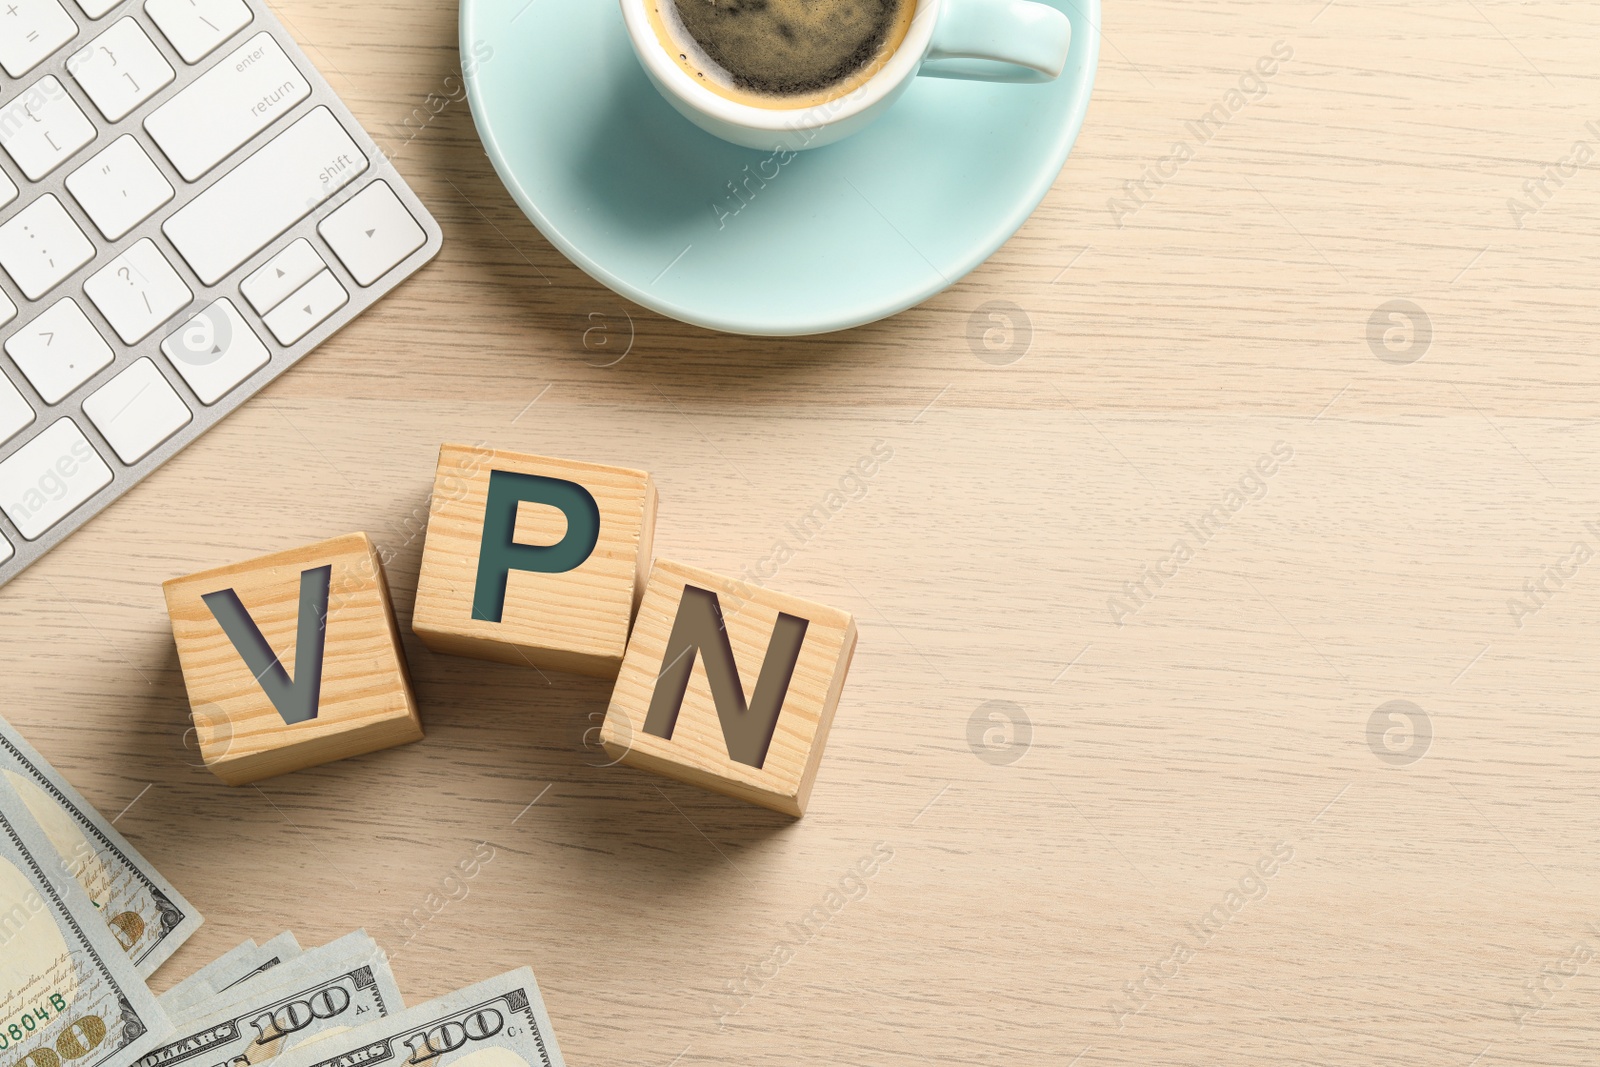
215,351
372,233
281,275
306,307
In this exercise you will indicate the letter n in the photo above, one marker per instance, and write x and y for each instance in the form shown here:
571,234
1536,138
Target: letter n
699,630
295,698
500,553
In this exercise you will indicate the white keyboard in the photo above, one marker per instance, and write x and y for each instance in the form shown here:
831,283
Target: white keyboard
186,209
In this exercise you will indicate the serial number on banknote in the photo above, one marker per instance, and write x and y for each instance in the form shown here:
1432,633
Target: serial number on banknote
77,1041
19,1028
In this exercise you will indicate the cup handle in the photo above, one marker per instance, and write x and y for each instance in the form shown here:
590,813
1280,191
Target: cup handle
999,41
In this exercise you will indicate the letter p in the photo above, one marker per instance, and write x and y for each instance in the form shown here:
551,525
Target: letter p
501,554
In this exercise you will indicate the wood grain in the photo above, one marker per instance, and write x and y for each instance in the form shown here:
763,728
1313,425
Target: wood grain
1163,758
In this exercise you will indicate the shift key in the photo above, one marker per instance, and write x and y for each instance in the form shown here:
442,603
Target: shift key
227,105
263,196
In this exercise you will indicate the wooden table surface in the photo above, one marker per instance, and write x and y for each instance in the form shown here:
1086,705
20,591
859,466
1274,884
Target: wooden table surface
1182,824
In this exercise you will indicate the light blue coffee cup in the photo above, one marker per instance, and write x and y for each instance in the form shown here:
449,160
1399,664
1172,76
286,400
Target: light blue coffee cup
976,40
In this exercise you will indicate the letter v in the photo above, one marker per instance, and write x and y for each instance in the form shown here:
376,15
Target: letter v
296,699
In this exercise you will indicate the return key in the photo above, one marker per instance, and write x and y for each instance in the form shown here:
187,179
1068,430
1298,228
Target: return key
222,109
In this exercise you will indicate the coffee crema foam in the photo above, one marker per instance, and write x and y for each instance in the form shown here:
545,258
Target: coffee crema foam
781,53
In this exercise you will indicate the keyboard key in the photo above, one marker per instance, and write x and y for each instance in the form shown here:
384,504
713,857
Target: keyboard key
8,191
41,245
96,8
119,188
222,109
16,414
43,127
59,350
306,307
215,351
197,27
29,31
372,233
46,479
281,275
120,69
265,195
136,411
8,310
137,291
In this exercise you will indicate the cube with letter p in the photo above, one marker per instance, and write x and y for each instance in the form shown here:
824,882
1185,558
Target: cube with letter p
729,687
532,560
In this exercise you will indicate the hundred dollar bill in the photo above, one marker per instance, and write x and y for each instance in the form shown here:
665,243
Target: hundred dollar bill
346,951
279,950
69,995
326,991
186,990
498,1023
148,917
194,996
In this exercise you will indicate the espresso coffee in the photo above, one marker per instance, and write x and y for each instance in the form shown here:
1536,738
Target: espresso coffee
782,53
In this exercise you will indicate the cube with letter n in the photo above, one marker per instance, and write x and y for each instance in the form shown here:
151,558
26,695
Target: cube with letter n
533,560
729,687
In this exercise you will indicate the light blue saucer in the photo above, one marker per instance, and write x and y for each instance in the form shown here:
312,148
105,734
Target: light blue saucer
730,238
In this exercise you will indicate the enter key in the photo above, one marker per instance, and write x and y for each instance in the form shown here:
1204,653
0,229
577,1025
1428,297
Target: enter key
222,109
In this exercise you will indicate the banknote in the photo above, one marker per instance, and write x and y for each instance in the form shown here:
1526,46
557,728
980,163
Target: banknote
274,953
190,989
328,990
148,917
498,1023
227,982
348,950
69,994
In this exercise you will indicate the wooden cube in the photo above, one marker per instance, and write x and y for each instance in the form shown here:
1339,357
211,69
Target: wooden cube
729,687
534,561
292,660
